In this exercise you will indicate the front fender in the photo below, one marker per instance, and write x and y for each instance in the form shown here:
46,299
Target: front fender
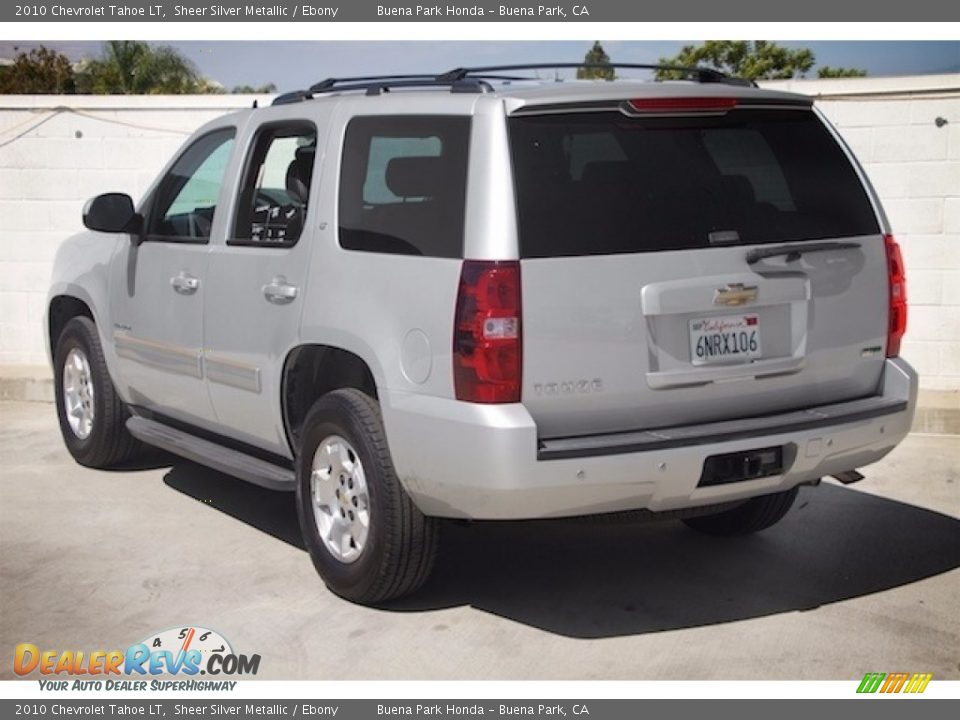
81,269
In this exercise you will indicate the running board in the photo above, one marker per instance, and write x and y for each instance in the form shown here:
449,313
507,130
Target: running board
232,462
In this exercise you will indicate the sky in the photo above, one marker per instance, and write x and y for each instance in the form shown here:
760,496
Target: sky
298,64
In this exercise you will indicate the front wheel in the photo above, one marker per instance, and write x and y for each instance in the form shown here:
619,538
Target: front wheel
754,515
92,416
365,536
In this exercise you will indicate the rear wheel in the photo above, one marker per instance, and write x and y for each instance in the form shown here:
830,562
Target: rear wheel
753,516
92,416
365,536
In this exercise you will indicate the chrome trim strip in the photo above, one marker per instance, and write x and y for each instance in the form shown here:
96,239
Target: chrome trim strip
229,372
171,358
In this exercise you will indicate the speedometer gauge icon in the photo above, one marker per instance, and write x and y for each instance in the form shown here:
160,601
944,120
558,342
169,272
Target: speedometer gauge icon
180,640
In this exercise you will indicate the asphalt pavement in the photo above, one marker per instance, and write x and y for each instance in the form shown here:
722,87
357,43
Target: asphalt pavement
855,579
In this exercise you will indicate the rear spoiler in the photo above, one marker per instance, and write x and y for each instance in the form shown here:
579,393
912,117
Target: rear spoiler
682,105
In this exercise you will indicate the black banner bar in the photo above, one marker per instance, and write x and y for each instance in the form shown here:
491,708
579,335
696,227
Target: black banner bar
497,709
477,11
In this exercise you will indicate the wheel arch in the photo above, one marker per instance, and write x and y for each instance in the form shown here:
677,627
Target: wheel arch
61,308
311,371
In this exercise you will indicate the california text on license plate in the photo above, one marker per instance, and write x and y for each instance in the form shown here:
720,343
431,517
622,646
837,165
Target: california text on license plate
726,339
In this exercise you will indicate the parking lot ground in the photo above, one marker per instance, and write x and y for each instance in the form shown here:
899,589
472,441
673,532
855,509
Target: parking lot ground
855,579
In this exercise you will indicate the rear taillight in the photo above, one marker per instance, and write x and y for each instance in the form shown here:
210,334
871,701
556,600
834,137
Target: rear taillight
898,296
487,337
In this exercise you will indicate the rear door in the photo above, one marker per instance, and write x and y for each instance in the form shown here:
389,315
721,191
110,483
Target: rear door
257,277
707,262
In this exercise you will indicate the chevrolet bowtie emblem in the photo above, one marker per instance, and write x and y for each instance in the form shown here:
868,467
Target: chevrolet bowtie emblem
735,294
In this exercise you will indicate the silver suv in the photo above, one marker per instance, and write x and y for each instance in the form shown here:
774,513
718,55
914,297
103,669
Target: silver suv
480,296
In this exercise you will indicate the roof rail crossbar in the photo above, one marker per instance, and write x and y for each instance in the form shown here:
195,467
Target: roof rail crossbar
334,83
292,97
476,79
376,87
699,74
377,84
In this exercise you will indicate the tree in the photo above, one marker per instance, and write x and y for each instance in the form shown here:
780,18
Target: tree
757,60
207,86
266,88
39,72
596,56
754,60
129,67
831,72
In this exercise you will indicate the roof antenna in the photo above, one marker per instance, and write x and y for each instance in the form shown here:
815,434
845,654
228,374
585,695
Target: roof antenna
254,104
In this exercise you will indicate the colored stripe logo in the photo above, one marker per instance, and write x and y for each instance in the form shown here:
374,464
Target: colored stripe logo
894,683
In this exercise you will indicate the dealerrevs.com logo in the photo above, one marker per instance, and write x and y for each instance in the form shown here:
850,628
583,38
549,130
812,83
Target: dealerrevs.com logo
186,651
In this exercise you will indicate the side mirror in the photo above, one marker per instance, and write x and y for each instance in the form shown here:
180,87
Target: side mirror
113,213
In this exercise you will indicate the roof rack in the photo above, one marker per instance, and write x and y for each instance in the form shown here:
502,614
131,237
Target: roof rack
377,84
697,74
292,97
477,79
331,83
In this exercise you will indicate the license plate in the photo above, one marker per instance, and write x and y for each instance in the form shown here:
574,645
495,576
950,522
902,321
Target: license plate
724,340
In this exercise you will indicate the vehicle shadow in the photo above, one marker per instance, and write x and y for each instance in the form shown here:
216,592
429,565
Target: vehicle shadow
589,579
149,458
268,511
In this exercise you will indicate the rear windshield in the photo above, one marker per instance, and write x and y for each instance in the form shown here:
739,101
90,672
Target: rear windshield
601,182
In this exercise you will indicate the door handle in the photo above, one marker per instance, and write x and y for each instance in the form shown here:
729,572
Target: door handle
279,291
185,283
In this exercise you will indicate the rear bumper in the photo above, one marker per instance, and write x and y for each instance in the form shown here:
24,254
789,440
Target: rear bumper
486,461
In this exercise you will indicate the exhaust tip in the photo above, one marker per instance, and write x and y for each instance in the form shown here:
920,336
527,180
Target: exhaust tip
848,477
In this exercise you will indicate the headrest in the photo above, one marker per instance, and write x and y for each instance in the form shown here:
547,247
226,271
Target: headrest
299,172
739,189
416,176
608,172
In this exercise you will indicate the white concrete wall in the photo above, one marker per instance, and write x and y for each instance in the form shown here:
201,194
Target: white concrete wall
46,175
915,166
52,159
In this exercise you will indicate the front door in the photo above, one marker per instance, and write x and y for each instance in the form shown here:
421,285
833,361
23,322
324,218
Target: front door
158,286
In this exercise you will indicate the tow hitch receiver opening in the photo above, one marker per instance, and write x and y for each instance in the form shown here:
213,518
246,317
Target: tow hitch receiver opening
743,465
848,477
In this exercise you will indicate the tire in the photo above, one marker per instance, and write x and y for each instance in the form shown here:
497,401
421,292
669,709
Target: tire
394,554
101,439
753,516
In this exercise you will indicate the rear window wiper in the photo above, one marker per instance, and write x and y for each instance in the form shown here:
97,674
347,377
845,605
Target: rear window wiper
794,252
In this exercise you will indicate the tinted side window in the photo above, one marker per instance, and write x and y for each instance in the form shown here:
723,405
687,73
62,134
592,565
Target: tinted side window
186,198
403,185
272,207
603,183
